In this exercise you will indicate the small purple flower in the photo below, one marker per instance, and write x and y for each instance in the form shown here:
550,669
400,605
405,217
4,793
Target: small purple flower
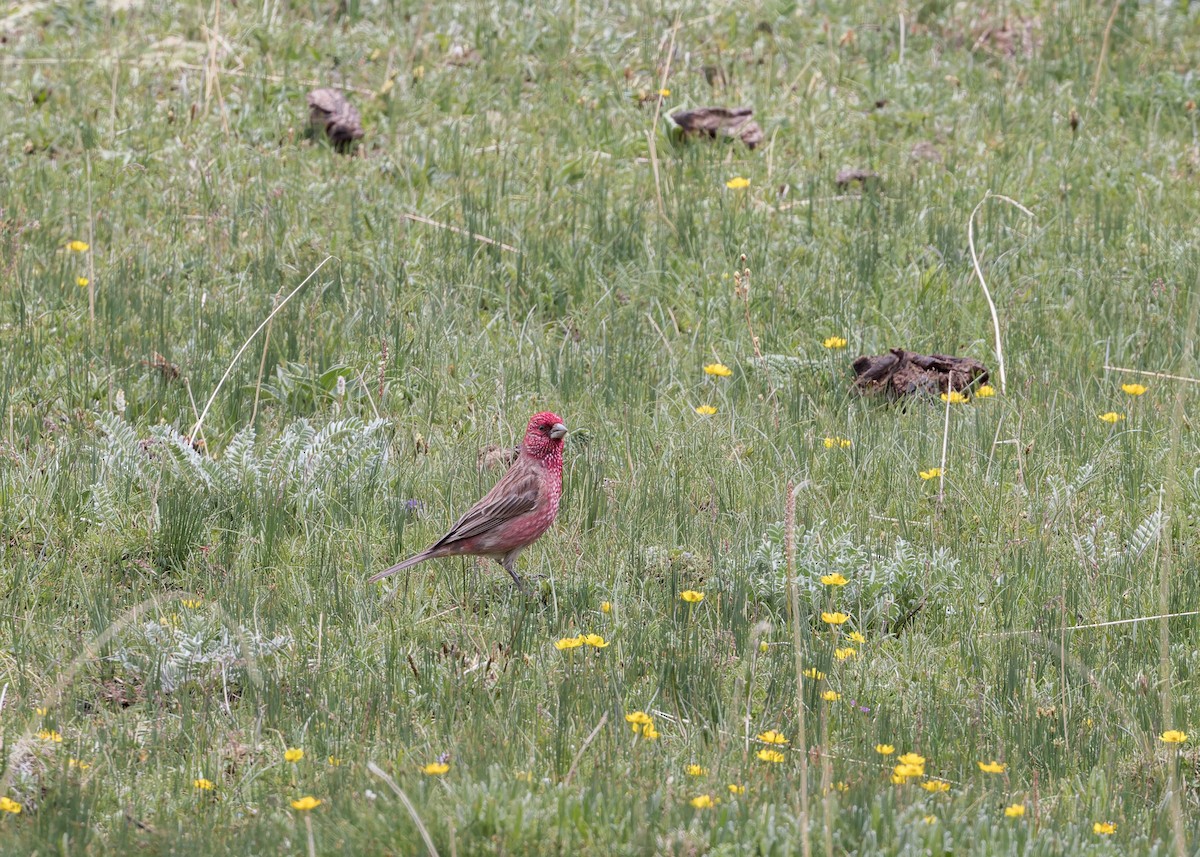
414,506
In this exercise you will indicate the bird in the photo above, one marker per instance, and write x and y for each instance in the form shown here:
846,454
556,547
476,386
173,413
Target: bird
516,512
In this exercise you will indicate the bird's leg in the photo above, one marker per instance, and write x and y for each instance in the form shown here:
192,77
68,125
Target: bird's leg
510,565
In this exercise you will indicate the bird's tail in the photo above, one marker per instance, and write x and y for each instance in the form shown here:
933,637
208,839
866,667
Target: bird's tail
400,566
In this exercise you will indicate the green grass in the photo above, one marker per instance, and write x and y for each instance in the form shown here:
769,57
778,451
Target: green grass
204,204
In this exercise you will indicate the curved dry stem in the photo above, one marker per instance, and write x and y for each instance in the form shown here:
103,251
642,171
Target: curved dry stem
408,805
979,273
246,344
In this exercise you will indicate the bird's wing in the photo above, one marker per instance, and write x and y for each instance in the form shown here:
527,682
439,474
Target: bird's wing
515,494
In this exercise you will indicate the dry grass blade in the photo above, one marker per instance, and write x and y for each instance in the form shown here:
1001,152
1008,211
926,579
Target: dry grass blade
408,805
982,282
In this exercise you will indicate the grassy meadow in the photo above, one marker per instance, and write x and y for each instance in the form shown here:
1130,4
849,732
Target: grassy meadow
188,647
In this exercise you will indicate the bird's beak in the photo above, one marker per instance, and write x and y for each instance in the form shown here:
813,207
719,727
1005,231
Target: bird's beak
558,431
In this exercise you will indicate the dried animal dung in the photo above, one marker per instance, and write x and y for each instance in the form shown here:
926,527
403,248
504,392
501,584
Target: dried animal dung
713,122
331,113
845,178
906,373
492,457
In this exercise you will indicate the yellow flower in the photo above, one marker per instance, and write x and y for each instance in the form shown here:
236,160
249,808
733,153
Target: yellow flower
906,771
1104,828
954,397
885,749
664,92
192,603
770,756
1173,736
82,282
203,784
929,819
912,759
735,789
78,246
772,737
568,643
842,654
718,369
842,442
703,802
648,732
1015,811
40,711
992,767
7,804
834,342
434,769
1133,389
985,392
691,596
705,410
935,786
834,618
50,735
75,763
595,641
931,473
834,579
764,646
1112,417
605,606
696,771
638,718
855,637
293,754
306,803
737,183
841,787
831,696
334,762
814,673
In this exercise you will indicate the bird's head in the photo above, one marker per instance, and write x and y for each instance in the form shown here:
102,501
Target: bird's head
544,435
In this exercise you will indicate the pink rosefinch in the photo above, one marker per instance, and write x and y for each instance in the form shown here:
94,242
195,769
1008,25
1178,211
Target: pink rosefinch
518,509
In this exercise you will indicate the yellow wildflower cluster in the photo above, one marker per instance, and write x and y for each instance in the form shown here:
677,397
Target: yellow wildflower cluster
293,754
834,342
642,724
772,737
955,398
433,769
306,803
838,443
593,640
691,596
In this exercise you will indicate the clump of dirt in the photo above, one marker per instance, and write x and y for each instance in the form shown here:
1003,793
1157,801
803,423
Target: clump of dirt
905,373
713,122
331,113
